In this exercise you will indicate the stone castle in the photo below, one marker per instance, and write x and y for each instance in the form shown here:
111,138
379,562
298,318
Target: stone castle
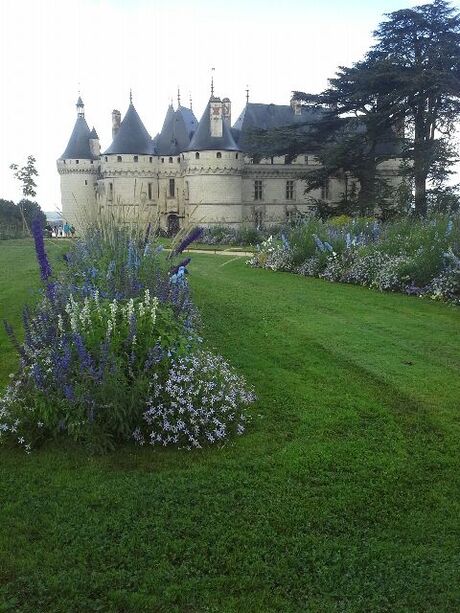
194,171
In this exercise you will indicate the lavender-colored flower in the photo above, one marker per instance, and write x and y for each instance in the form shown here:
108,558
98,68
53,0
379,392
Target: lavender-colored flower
194,235
37,231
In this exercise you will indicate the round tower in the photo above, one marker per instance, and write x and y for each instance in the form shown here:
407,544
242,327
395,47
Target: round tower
129,166
214,166
78,168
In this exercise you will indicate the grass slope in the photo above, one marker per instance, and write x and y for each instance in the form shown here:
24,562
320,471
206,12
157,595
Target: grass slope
343,496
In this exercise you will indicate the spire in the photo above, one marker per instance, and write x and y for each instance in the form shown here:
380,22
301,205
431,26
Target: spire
178,96
247,94
190,100
212,82
130,96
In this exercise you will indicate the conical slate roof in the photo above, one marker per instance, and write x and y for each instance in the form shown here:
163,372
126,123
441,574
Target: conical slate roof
178,129
94,133
78,145
132,137
202,139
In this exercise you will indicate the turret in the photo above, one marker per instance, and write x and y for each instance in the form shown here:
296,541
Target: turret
214,164
78,169
128,164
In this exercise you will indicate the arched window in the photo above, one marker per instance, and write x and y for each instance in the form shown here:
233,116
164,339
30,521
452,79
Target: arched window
219,154
170,160
197,156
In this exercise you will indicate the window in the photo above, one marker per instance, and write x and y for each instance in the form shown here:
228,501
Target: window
257,190
86,182
197,156
172,188
110,191
136,158
92,161
236,156
106,158
150,159
119,158
178,160
170,160
187,190
325,190
289,190
307,161
77,161
272,160
218,154
150,191
162,160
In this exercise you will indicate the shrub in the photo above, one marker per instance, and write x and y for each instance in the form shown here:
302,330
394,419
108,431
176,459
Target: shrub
410,255
103,346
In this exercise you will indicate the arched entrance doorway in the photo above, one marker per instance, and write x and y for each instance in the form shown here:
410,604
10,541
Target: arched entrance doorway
173,225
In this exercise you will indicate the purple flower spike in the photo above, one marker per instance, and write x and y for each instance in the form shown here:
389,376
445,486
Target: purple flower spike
37,231
194,235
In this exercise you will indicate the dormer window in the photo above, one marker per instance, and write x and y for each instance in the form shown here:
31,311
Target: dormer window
219,154
197,156
119,158
136,158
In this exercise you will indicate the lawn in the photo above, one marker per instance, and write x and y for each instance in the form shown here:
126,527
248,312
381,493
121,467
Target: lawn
342,496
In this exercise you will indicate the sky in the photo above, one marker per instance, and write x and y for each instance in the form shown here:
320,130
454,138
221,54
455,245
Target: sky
50,50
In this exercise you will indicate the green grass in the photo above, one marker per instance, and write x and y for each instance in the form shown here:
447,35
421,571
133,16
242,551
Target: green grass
343,495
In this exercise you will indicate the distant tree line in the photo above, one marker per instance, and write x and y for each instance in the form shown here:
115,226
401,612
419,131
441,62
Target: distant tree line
13,216
401,102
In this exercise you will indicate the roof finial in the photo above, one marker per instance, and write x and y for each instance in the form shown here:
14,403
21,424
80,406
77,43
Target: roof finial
212,82
130,96
247,94
190,100
178,96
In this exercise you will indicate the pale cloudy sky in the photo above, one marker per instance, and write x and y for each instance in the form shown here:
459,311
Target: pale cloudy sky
49,49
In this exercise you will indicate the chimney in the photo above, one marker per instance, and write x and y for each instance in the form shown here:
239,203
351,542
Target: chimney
94,145
216,119
227,111
296,106
116,120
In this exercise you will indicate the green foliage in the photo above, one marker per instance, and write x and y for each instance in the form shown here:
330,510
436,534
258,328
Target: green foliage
12,216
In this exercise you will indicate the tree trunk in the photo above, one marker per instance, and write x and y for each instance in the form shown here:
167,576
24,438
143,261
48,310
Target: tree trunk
366,196
420,191
420,173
